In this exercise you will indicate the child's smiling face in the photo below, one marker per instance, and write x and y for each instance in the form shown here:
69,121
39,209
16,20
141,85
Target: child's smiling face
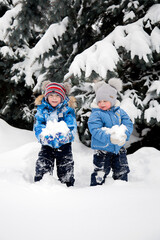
54,99
104,105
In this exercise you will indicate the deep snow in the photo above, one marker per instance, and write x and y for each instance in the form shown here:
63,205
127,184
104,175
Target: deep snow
48,210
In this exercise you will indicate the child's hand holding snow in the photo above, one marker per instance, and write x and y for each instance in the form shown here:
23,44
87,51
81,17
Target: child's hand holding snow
55,130
62,138
46,139
117,133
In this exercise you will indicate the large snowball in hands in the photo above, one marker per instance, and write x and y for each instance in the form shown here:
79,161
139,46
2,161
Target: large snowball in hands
54,127
117,131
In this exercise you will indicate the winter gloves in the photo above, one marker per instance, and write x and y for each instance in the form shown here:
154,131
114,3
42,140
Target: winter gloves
55,133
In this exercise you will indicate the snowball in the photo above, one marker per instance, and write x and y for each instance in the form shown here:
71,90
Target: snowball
54,127
118,131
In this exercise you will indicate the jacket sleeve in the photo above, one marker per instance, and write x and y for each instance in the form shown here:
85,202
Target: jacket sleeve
125,120
70,120
39,124
95,125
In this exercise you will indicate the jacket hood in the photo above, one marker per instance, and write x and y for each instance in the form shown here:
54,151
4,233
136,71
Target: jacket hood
71,103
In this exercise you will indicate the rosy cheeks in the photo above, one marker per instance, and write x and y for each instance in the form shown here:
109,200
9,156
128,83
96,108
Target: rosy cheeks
104,105
54,100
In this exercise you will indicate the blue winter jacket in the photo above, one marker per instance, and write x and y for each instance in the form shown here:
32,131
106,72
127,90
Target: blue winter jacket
62,112
99,118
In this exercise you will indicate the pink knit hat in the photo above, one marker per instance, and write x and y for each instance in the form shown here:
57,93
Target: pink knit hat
57,88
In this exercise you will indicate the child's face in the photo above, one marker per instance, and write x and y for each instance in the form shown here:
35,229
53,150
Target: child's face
104,105
54,99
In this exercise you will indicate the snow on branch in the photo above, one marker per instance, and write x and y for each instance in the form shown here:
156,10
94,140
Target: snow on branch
155,87
6,51
30,65
46,43
130,103
6,21
99,57
103,55
153,111
153,14
153,92
155,39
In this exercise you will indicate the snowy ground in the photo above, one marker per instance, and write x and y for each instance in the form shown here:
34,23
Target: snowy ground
48,210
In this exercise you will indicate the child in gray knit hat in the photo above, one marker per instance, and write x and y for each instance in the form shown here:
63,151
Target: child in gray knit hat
110,127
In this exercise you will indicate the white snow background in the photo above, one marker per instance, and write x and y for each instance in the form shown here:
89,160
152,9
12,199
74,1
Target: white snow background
49,210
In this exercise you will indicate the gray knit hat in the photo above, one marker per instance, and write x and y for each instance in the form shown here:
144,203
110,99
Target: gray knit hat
108,92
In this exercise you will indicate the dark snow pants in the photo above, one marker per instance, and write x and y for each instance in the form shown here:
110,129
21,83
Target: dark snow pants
105,161
64,162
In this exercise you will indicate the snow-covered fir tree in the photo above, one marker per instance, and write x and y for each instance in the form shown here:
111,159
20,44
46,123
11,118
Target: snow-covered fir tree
81,40
131,52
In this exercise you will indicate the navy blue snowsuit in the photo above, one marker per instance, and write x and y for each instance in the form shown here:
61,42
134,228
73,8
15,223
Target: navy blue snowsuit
58,148
64,162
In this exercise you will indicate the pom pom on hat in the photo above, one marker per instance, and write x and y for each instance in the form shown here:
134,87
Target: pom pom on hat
44,84
116,83
67,86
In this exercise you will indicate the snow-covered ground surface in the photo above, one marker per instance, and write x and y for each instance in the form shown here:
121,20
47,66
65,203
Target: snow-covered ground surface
48,210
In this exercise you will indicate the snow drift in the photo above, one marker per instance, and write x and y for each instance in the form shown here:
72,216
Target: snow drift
49,210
